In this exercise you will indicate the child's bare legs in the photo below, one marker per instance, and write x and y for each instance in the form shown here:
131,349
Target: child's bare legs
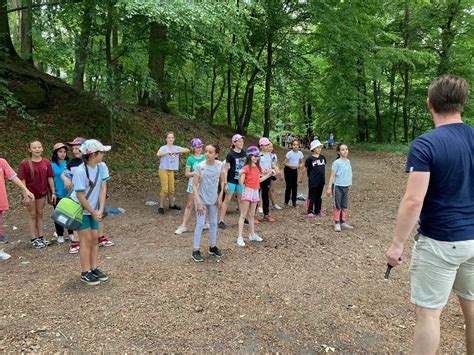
253,207
171,200
188,209
244,208
35,217
225,205
89,251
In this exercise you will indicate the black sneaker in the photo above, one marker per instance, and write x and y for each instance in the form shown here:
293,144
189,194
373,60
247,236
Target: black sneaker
246,222
197,257
215,251
89,278
221,225
37,243
161,210
100,275
174,207
45,241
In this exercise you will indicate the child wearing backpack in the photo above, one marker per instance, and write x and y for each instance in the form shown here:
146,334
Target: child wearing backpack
90,189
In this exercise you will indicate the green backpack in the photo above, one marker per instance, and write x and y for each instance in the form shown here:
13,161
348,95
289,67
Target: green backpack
68,213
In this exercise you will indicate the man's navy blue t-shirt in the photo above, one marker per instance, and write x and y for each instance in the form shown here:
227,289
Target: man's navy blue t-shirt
447,153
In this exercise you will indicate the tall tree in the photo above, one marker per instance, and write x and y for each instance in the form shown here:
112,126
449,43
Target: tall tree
7,51
26,31
82,45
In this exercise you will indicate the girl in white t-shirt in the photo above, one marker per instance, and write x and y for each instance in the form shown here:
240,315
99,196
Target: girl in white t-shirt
293,162
169,163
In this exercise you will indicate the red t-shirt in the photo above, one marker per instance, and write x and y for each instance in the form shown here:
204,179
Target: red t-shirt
252,176
37,183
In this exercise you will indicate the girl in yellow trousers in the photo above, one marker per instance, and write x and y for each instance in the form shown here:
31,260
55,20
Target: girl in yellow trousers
169,163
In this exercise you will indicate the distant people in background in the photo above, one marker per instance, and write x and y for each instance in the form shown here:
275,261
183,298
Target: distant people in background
169,163
6,172
37,174
293,162
331,140
338,186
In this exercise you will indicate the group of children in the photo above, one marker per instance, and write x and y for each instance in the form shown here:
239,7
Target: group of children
82,179
252,175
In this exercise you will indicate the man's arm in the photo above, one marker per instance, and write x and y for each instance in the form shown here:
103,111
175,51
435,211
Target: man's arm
408,214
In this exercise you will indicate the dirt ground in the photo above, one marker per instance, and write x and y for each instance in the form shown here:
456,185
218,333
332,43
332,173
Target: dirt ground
305,289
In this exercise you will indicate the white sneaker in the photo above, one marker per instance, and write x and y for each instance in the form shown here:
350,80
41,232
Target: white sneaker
346,226
256,238
260,210
240,242
4,256
60,239
206,226
277,207
337,227
181,230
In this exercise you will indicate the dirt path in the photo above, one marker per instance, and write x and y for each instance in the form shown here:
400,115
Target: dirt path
304,289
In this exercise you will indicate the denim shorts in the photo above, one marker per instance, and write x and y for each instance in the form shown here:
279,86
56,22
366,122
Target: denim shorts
439,267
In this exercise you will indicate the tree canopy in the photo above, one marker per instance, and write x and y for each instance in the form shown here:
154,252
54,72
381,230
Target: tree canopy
357,68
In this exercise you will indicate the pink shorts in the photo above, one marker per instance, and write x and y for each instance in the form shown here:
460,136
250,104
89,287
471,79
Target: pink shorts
251,195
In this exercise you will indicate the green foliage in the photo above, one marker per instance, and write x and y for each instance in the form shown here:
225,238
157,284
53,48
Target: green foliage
401,149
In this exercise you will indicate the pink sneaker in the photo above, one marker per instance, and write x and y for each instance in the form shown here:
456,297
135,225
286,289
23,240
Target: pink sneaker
74,248
310,215
269,219
105,242
322,214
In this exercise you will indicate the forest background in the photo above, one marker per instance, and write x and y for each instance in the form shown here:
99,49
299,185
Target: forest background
357,68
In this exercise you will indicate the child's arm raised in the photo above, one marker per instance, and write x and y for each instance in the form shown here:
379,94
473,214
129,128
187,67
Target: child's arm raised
161,153
66,181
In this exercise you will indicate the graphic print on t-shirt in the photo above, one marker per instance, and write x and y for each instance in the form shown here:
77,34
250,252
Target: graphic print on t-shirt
239,164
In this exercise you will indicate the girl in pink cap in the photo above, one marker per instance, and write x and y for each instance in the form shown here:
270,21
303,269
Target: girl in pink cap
37,174
193,160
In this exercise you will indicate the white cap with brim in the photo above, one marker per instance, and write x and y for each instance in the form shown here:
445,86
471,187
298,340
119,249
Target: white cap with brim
314,144
91,146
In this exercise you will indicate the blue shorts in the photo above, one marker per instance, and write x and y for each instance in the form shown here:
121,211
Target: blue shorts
88,222
235,187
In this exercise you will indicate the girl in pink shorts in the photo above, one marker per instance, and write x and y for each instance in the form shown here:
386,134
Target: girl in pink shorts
250,176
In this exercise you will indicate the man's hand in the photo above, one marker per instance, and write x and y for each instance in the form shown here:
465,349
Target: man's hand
394,254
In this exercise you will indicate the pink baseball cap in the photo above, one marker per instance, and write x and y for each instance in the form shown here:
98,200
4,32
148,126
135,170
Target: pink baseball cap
264,141
236,137
77,141
253,150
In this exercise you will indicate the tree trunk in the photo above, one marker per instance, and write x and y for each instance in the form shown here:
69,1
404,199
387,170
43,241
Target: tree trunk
248,111
361,102
213,88
391,100
406,79
448,34
378,118
157,50
8,51
268,86
26,29
82,45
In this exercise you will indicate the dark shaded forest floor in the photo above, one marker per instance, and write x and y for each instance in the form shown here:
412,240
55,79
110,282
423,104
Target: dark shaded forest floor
305,288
